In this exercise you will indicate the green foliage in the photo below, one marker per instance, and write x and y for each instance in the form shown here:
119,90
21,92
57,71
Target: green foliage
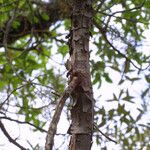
15,24
63,50
45,16
32,81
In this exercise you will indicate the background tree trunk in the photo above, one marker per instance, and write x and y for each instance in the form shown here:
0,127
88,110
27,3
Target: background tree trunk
81,128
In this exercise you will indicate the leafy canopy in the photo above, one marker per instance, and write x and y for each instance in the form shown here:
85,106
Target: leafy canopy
34,50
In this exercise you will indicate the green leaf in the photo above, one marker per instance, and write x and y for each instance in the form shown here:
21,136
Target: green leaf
35,19
114,98
120,94
132,79
2,84
36,122
103,122
97,139
102,111
97,78
45,16
125,141
139,117
127,66
111,113
120,109
15,24
137,131
67,24
25,104
121,82
107,78
128,97
129,129
115,68
100,65
145,93
63,50
147,78
135,79
27,118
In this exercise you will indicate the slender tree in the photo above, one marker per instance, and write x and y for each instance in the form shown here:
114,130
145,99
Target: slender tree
81,128
39,38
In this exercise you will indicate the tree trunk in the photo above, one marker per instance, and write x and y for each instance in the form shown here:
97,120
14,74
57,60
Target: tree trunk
81,128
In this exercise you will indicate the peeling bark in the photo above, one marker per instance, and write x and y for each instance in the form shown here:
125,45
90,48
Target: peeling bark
81,127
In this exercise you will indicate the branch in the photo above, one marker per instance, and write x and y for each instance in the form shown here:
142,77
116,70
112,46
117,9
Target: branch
9,137
1,104
124,11
100,5
56,11
54,92
24,122
53,125
96,127
8,27
127,19
103,32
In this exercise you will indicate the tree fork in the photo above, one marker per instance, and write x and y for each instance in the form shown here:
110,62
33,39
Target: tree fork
81,128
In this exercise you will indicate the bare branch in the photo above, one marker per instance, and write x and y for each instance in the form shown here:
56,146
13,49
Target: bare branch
10,95
9,137
100,5
96,127
24,122
124,11
46,86
127,10
53,125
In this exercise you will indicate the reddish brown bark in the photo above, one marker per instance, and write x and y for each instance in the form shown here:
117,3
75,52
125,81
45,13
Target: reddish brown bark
81,128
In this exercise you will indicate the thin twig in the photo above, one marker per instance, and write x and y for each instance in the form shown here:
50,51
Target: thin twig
96,127
124,11
24,122
100,5
10,95
53,92
9,137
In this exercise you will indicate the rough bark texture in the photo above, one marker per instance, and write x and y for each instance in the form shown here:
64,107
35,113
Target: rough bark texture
81,127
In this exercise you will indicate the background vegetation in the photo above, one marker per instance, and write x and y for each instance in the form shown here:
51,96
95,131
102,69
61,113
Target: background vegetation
32,68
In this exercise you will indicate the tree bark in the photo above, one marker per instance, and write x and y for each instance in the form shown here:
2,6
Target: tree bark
81,128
